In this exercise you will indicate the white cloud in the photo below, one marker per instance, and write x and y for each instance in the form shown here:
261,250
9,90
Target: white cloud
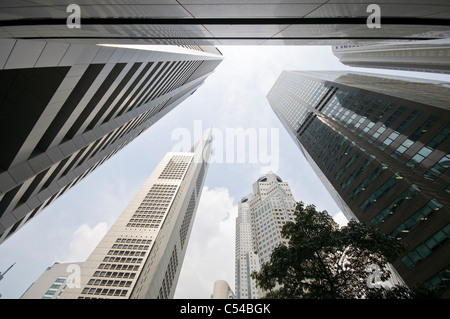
210,253
340,219
84,240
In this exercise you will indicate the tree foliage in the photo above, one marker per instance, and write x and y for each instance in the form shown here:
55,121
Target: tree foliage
325,261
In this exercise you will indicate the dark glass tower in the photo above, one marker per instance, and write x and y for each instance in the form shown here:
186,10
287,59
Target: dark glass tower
381,146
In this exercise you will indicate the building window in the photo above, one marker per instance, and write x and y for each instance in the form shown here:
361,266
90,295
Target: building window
419,157
358,171
439,138
369,180
412,191
402,148
417,218
447,189
439,168
380,192
406,123
392,137
424,127
425,249
442,279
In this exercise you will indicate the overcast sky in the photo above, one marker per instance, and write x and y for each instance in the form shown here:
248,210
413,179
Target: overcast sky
233,97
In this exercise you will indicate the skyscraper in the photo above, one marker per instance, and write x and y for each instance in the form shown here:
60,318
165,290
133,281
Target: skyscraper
261,216
222,290
222,22
65,108
141,255
424,56
246,258
380,145
51,283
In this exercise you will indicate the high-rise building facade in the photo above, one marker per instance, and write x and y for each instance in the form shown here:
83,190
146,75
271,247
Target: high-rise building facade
52,282
222,22
381,146
222,290
422,56
65,108
141,255
246,258
261,217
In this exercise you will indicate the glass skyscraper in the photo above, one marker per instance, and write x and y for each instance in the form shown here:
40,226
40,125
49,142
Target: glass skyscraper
381,146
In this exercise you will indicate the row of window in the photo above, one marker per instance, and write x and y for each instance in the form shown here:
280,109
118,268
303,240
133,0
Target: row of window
149,214
123,260
156,199
139,225
114,274
126,253
440,167
118,267
166,286
357,171
176,167
338,159
122,246
423,214
426,248
146,220
352,159
105,292
382,190
368,180
401,200
114,283
133,240
441,279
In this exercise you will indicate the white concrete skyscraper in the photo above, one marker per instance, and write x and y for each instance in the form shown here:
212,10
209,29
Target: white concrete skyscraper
261,217
142,253
246,257
66,108
52,282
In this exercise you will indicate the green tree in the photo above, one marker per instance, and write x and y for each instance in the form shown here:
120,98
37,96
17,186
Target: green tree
324,261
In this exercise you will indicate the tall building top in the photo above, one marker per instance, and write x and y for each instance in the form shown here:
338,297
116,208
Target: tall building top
222,290
430,92
269,185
